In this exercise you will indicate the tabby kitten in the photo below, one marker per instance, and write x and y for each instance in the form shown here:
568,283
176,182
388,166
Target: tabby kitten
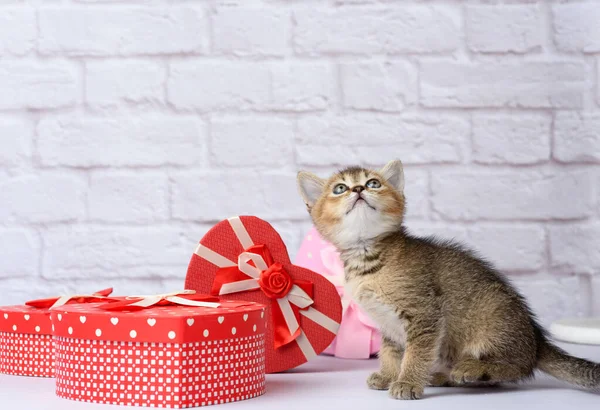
447,317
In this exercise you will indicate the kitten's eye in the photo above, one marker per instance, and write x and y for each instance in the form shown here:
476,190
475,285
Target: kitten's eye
339,189
373,183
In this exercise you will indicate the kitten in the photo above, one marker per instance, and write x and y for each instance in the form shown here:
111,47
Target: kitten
446,316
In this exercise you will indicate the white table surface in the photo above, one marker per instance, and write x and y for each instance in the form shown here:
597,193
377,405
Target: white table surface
328,383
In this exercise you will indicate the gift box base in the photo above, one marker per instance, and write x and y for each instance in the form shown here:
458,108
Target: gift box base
24,354
167,375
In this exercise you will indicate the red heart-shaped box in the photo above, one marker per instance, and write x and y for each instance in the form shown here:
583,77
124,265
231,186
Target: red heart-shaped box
223,240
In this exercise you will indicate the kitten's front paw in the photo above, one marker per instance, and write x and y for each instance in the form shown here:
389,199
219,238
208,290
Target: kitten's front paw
377,381
405,391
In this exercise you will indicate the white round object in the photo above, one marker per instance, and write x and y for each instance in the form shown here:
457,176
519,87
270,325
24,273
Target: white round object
584,331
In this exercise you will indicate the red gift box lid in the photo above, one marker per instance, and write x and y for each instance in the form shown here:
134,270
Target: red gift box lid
160,324
34,316
25,319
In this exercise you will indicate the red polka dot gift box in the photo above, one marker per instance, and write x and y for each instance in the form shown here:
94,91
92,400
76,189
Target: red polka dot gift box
178,350
244,258
26,347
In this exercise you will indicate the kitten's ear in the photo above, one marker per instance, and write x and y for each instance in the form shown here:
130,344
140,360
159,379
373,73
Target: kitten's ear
310,187
394,174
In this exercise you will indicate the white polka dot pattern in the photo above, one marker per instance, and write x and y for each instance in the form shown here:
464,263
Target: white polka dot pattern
168,375
158,324
26,354
25,319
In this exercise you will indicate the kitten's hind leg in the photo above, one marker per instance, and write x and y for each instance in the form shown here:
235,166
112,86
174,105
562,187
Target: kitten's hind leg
440,375
390,358
440,380
483,372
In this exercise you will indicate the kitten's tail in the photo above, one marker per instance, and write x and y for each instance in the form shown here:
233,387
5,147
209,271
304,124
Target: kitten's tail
557,363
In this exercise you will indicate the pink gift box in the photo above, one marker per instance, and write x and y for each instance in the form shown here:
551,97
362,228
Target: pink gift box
357,337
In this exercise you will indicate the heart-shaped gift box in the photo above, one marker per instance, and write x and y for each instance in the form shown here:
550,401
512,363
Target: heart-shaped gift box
244,258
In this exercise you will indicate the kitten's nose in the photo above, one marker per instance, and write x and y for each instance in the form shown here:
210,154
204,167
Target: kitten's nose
358,189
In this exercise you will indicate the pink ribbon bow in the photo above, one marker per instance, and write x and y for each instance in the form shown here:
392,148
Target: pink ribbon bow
357,337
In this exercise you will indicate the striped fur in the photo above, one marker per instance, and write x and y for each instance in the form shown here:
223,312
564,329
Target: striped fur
447,316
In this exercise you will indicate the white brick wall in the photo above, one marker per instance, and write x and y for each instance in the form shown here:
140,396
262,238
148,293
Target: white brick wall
511,28
128,128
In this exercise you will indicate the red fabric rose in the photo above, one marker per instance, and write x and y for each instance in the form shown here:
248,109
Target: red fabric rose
275,282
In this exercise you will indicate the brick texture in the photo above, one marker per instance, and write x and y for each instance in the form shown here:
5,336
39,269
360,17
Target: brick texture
402,29
553,298
127,197
389,86
24,82
577,137
251,32
206,86
128,128
527,85
46,197
576,27
18,31
367,138
510,247
535,195
113,82
511,139
21,253
17,141
88,141
105,31
574,247
128,252
251,142
502,29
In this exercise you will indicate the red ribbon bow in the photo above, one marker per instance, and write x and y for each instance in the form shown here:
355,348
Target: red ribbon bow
184,298
275,283
100,296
